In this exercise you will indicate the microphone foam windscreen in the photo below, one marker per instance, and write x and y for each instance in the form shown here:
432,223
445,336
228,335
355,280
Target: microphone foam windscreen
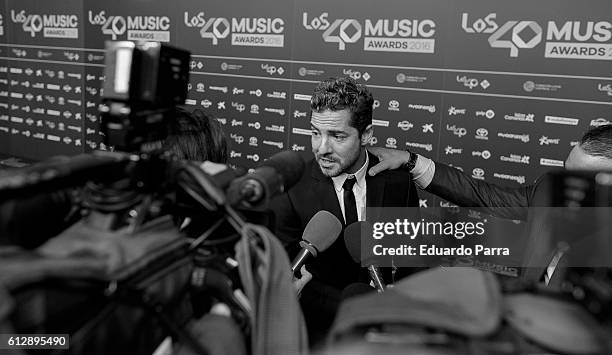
289,165
359,242
322,230
352,240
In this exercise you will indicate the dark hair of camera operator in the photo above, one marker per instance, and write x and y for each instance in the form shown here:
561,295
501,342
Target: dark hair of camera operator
31,221
196,136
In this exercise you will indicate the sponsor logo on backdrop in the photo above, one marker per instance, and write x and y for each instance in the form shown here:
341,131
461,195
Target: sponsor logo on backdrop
391,143
427,147
381,123
393,105
138,28
516,158
403,78
482,134
237,91
226,66
373,140
599,122
275,128
551,162
277,95
423,203
253,142
255,125
2,27
485,154
234,154
356,74
544,140
279,111
458,131
488,114
238,106
303,71
518,116
272,69
530,86
381,35
518,178
376,104
451,151
478,173
520,137
298,148
51,25
472,83
302,97
405,125
301,131
257,92
561,120
253,157
206,103
453,111
255,109
563,39
429,108
245,31
299,114
279,145
238,139
428,128
607,88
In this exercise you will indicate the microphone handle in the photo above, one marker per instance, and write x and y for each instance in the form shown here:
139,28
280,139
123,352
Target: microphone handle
300,260
376,278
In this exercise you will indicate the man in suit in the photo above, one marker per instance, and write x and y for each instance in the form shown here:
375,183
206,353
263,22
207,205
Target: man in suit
594,153
335,180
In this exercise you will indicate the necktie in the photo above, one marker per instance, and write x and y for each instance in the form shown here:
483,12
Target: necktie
350,206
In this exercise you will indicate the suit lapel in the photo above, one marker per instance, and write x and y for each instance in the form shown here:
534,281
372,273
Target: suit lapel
375,185
324,192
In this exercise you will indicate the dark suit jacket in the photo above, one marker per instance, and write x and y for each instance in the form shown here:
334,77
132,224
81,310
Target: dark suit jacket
505,202
333,269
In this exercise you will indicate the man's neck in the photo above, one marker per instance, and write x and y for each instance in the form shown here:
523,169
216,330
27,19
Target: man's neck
359,163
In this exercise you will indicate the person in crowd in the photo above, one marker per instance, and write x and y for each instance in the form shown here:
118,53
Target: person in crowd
593,152
336,180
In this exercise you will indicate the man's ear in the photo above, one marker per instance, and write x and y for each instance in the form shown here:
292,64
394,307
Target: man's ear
367,135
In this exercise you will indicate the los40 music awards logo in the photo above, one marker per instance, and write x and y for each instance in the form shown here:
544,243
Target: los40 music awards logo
138,28
568,39
52,25
245,31
381,35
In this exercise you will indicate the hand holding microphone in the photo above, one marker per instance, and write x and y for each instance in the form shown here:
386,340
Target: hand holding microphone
352,240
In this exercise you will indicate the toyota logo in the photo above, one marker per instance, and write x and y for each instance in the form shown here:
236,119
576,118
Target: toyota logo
482,132
478,172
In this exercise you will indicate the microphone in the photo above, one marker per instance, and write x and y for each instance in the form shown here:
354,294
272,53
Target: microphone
352,240
272,177
221,174
320,233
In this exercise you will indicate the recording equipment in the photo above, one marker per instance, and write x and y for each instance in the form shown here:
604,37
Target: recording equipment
352,240
274,176
62,172
320,233
144,81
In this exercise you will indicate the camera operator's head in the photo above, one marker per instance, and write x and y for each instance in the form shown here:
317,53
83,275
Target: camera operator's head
594,152
196,136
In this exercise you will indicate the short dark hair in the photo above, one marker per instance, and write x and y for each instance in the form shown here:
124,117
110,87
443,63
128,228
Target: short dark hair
341,93
598,141
196,136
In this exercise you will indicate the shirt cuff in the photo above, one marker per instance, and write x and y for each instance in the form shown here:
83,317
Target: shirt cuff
423,171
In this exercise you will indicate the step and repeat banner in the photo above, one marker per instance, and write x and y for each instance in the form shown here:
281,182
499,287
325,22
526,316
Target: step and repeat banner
501,90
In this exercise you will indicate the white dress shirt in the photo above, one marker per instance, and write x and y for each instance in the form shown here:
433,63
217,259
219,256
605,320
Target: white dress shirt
359,190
